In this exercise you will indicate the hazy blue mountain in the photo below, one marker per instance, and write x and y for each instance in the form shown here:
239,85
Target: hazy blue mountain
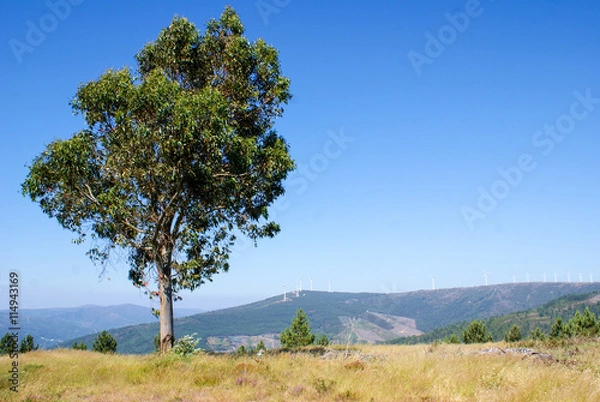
51,326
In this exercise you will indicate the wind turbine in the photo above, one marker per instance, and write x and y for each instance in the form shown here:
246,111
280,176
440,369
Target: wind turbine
485,275
544,277
311,283
528,277
591,277
569,277
580,277
514,278
284,293
433,282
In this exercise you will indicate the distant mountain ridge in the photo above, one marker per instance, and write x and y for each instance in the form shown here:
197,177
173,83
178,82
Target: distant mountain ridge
365,317
52,326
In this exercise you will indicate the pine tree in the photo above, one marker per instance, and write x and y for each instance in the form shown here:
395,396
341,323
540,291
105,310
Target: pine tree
27,345
105,343
298,334
79,346
589,325
476,332
261,345
513,335
575,325
537,335
7,344
558,329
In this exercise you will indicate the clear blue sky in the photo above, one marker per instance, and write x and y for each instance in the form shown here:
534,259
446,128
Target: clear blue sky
428,144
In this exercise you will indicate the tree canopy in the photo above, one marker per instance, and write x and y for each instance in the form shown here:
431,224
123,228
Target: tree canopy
178,157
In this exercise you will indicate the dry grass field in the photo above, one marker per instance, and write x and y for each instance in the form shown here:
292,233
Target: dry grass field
368,373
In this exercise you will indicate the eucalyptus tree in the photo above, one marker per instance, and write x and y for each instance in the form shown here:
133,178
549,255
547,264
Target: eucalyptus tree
178,157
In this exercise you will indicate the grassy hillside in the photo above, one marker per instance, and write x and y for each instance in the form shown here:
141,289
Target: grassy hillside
367,373
542,317
327,312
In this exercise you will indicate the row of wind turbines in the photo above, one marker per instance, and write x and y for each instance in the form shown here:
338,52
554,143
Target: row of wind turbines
298,288
528,276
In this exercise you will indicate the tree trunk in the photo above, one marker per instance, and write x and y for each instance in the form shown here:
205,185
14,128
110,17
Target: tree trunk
167,336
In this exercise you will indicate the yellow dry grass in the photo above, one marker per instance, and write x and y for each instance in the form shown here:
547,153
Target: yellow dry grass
369,373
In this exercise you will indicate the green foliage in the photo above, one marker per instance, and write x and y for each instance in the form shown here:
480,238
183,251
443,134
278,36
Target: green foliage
79,346
575,324
241,351
583,325
453,339
261,346
322,340
7,344
186,346
105,343
476,332
513,335
177,157
27,345
580,325
537,335
558,329
298,334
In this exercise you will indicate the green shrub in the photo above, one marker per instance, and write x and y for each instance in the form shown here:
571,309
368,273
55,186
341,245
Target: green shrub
186,346
476,333
27,345
322,340
261,346
537,335
452,339
105,343
79,346
513,335
558,330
